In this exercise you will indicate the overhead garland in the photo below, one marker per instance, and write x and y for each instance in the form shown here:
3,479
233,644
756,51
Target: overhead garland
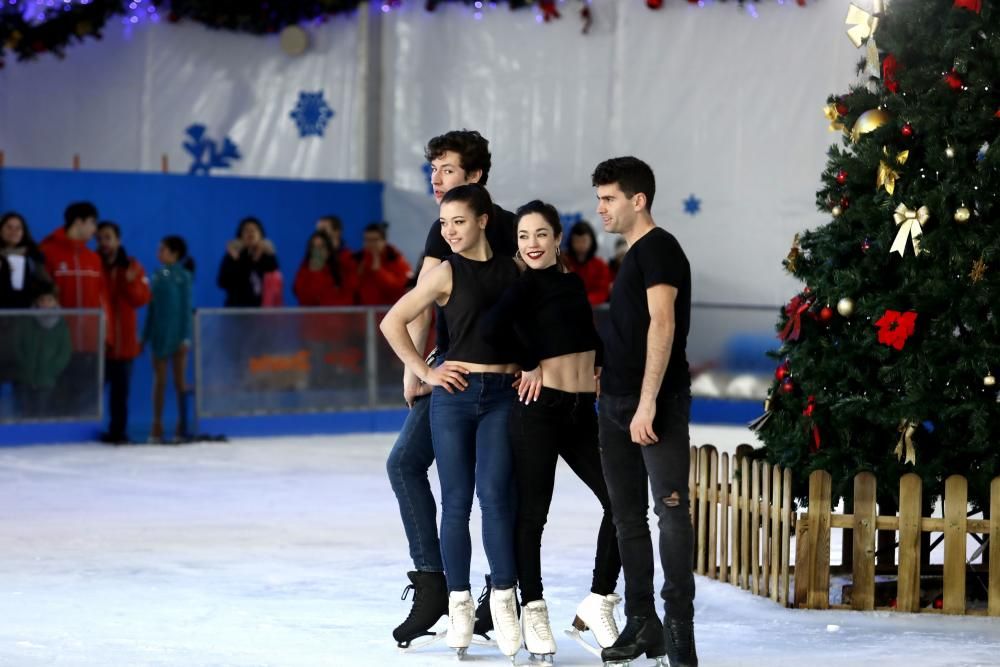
29,28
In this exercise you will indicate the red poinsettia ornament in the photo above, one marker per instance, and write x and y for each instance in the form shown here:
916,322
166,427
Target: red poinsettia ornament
895,327
794,311
972,5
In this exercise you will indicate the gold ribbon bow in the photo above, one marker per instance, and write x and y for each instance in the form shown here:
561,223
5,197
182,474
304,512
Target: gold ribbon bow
832,115
863,27
887,175
905,445
909,223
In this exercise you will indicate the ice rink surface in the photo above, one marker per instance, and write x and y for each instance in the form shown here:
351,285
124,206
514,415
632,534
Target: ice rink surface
291,552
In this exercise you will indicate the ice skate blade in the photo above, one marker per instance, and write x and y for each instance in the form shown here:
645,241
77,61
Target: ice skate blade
541,659
460,653
637,662
578,638
421,641
484,640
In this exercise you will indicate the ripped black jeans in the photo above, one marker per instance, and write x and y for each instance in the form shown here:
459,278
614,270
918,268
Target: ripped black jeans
665,463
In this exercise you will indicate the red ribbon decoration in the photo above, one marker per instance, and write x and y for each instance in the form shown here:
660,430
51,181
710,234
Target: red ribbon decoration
794,311
889,69
972,5
549,9
813,429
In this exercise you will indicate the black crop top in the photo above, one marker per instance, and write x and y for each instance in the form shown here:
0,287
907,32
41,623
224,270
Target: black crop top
476,287
550,315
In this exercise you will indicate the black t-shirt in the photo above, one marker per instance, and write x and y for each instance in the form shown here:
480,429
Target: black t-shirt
500,232
550,315
475,289
655,259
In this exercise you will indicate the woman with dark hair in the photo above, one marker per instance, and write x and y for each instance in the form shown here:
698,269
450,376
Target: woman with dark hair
22,265
321,280
469,411
383,272
561,356
582,260
248,266
169,328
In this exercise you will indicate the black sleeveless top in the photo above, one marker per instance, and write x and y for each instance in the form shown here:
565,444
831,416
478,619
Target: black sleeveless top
475,288
550,315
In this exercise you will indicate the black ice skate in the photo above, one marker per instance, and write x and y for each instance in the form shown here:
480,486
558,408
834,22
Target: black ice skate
642,635
484,619
679,637
430,603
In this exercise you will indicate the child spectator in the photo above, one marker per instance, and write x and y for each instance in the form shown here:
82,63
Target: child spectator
43,351
383,272
245,267
169,328
321,280
582,259
128,290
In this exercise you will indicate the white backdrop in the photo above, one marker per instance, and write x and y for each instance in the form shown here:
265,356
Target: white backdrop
723,105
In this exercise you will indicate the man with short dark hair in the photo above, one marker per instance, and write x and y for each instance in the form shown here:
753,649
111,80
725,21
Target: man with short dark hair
128,290
456,158
78,276
644,411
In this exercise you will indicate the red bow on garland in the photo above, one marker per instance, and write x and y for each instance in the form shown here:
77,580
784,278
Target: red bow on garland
972,5
794,311
895,327
549,9
813,430
889,68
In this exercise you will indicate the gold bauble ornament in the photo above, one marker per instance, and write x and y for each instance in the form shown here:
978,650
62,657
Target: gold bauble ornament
989,381
962,214
836,211
869,121
845,307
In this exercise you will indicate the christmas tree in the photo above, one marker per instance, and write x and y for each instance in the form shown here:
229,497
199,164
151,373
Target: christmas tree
889,353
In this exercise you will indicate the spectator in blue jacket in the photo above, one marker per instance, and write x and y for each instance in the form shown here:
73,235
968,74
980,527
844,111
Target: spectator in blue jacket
169,328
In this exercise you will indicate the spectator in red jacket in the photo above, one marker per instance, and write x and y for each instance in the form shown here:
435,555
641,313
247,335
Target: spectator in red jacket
78,275
383,272
333,228
321,279
582,259
128,290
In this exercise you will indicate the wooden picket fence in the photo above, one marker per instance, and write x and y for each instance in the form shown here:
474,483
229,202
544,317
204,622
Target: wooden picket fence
743,521
812,558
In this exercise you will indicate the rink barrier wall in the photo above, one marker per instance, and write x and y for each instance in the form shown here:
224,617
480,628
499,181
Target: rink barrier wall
813,534
743,520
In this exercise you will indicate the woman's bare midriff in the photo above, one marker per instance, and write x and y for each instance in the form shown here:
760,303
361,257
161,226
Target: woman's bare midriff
570,372
508,369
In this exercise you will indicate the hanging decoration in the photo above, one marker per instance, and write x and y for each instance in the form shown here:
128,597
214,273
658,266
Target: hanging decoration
869,121
978,270
794,311
815,441
833,115
909,223
791,261
862,31
907,429
895,327
887,175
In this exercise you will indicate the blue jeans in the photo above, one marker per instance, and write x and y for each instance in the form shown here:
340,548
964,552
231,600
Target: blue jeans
469,430
409,460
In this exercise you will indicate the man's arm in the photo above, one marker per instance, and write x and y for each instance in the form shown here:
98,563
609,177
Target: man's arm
659,340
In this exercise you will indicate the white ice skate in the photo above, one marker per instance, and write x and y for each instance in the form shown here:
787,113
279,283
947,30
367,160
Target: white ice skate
597,614
461,619
506,625
538,633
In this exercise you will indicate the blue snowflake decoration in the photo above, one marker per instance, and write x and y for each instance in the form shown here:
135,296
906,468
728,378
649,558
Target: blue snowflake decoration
206,153
692,205
311,114
427,177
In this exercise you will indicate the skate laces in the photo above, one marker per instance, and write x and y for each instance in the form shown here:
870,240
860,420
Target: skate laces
539,619
608,609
